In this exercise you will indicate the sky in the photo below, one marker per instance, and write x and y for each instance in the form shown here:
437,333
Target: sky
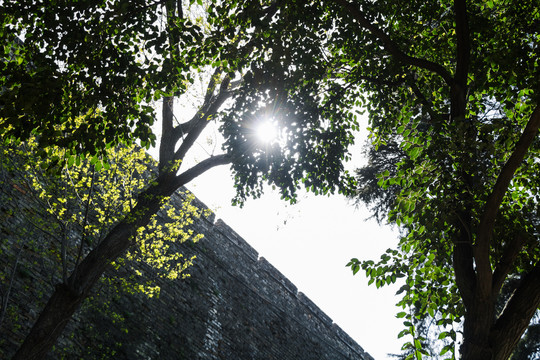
310,243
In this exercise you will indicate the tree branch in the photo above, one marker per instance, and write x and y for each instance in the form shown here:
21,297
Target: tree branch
85,220
184,128
179,10
5,296
201,167
462,258
167,142
517,315
208,109
212,85
503,267
459,87
171,7
392,47
463,43
424,101
493,202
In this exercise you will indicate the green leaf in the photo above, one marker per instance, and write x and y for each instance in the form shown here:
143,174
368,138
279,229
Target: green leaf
71,160
415,152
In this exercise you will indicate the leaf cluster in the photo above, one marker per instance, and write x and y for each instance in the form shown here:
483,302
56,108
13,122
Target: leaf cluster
432,174
313,113
85,201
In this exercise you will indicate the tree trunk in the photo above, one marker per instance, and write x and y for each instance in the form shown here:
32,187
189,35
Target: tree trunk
487,338
50,324
67,297
476,330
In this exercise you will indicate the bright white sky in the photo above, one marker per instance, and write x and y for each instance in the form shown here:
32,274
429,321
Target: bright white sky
310,243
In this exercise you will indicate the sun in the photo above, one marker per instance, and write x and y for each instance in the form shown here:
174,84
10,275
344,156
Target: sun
267,131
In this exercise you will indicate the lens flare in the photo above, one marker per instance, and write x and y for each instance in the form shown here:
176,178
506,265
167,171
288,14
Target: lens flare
267,131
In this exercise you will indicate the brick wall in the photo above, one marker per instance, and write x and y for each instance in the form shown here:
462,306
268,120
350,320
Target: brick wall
235,305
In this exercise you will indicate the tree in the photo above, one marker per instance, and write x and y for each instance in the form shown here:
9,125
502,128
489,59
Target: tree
455,85
106,62
59,215
426,329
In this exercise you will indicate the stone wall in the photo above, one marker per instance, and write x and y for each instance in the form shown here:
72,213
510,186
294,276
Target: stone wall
235,305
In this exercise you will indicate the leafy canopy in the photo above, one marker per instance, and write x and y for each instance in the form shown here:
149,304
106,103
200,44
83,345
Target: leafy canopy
110,61
104,60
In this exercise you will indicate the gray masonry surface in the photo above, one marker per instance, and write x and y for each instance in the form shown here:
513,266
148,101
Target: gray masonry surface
235,305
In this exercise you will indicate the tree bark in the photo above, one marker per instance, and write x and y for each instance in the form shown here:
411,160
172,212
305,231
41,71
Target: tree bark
476,330
485,338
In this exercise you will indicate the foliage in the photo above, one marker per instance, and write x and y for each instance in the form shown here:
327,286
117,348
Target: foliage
453,87
77,205
314,140
441,188
111,72
156,247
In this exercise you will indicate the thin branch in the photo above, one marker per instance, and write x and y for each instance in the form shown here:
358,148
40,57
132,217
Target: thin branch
128,14
463,43
375,80
391,46
203,115
424,101
180,130
63,254
5,298
85,221
211,88
505,264
63,244
43,230
235,85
